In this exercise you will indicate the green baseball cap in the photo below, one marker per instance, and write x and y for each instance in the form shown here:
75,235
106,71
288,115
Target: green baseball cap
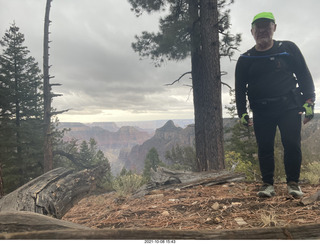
264,15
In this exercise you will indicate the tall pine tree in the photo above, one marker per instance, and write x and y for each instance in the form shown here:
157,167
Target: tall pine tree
21,109
192,28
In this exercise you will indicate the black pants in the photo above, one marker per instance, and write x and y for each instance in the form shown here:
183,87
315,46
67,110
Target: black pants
289,124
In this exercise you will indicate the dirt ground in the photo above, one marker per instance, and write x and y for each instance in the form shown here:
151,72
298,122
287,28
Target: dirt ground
227,206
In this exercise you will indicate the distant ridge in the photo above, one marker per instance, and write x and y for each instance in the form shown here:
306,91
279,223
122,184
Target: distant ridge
155,124
127,143
165,137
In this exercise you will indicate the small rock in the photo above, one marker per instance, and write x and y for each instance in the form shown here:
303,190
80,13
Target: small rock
208,221
215,206
165,213
240,221
173,200
217,220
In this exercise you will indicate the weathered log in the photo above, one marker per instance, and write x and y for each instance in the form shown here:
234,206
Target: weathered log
164,179
311,199
305,232
54,192
22,221
187,179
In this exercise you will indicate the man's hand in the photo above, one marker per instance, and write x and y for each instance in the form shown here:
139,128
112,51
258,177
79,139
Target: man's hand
245,120
308,108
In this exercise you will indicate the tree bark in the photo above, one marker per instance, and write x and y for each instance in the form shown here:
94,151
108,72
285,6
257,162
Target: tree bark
212,84
54,192
205,61
304,232
170,179
1,182
311,199
48,155
11,222
197,85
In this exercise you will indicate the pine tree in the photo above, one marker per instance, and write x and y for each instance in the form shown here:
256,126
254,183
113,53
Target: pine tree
79,156
242,139
182,158
192,28
152,161
21,111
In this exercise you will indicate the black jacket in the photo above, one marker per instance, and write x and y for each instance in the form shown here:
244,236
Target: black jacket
271,75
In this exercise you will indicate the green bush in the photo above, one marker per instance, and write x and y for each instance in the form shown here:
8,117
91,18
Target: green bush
125,185
311,172
234,162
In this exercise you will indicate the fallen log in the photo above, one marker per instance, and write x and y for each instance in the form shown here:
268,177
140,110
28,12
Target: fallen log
305,232
187,179
54,192
169,179
22,221
311,199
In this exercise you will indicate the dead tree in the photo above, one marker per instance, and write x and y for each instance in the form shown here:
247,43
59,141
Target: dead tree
48,156
1,182
60,230
54,192
48,95
13,222
170,179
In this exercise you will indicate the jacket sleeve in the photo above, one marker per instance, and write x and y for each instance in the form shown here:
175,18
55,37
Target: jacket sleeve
302,73
240,88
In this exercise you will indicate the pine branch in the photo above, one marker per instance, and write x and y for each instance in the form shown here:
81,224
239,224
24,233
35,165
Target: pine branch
177,80
59,112
55,84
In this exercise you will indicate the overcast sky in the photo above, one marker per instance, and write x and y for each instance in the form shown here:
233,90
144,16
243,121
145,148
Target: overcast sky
103,79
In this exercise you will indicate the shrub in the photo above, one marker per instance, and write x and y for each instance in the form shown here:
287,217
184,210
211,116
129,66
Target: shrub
311,172
235,163
127,184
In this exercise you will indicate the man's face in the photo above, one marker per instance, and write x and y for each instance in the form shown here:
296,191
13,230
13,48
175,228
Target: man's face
262,31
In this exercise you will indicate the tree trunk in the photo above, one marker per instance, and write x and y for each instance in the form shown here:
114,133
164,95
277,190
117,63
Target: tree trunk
54,192
197,85
1,182
310,199
212,84
205,61
48,155
304,232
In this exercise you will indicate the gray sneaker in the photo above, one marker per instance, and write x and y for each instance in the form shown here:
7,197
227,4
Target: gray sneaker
266,190
294,189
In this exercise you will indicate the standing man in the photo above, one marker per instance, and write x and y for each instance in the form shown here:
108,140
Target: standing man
274,76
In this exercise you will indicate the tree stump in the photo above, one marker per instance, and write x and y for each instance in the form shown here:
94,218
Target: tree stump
54,192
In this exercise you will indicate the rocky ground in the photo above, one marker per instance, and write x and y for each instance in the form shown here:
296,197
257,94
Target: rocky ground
226,206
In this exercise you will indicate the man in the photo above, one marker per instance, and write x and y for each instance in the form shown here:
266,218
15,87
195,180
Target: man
274,76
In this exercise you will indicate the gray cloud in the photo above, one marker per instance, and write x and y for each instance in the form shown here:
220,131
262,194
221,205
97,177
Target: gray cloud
103,79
